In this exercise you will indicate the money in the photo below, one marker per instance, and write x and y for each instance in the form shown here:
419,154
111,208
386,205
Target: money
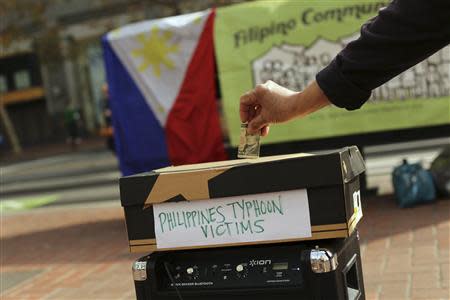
248,144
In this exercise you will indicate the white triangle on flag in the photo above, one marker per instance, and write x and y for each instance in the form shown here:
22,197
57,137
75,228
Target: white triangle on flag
157,53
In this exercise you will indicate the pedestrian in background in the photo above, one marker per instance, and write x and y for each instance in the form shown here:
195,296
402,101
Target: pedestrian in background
72,121
107,131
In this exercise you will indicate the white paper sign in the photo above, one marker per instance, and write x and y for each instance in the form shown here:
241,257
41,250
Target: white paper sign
248,218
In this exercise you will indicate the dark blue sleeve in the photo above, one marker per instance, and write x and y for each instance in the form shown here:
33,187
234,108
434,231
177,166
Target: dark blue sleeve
403,34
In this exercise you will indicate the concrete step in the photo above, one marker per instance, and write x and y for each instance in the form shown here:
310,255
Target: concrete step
72,196
68,164
42,185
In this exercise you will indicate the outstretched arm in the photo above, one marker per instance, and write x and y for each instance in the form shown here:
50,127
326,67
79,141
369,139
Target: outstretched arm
403,34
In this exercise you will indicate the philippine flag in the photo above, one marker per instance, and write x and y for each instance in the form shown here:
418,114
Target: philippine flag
162,89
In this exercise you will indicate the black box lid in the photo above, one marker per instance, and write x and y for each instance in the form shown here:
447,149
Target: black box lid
242,177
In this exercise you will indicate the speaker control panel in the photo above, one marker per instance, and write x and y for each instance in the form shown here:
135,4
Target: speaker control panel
230,269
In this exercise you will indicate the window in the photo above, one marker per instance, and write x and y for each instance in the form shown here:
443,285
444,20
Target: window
3,84
22,79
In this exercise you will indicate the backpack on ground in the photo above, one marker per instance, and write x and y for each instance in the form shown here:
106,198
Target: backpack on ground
413,184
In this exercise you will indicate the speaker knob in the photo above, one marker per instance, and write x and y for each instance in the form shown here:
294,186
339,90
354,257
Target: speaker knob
241,271
239,268
192,272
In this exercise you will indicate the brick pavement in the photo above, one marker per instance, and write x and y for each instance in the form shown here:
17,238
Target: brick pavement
81,252
406,251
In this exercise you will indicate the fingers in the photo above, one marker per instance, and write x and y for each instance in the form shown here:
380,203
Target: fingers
247,105
256,124
250,110
265,130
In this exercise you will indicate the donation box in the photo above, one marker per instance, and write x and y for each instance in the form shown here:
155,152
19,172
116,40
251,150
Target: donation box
273,199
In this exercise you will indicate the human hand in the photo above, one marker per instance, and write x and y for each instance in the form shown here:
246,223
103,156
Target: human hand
271,103
265,104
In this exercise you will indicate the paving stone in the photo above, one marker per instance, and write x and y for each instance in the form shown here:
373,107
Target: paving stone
82,253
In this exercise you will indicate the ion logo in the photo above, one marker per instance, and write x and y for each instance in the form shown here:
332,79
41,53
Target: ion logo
260,262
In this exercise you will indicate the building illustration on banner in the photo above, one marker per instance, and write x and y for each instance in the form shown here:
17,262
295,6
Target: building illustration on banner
294,66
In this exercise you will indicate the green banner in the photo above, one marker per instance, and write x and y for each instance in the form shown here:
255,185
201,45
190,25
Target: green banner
290,41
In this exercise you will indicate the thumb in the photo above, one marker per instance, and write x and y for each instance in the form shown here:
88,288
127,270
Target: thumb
256,124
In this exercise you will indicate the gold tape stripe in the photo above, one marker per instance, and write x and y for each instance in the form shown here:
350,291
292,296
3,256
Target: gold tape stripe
352,226
192,187
315,236
142,242
316,228
353,217
329,227
144,248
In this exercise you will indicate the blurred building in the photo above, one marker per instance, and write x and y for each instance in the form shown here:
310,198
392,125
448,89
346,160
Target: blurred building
51,60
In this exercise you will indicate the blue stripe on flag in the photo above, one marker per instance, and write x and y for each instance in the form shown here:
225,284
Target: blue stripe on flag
140,139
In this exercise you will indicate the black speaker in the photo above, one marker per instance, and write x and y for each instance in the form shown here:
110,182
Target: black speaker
325,269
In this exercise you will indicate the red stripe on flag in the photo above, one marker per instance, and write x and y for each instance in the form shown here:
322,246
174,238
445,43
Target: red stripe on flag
193,131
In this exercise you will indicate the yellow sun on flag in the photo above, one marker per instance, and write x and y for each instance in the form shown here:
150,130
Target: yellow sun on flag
155,50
